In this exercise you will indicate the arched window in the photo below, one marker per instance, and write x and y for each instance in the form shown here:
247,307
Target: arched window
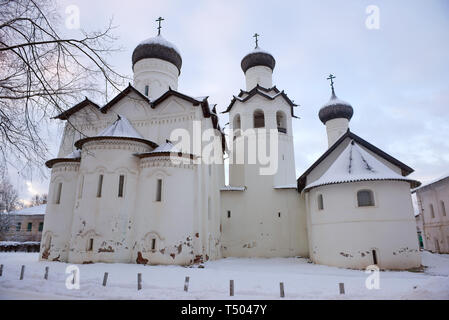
237,125
365,198
152,241
320,202
58,193
432,212
259,119
281,121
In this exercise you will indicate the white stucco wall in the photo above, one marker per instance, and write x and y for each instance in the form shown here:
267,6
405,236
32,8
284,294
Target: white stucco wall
255,228
158,74
259,75
344,235
107,219
58,216
335,128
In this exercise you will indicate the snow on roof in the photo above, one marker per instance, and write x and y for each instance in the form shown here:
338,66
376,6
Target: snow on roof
166,147
74,155
445,176
232,188
246,94
287,186
335,101
36,210
257,50
356,164
161,41
120,128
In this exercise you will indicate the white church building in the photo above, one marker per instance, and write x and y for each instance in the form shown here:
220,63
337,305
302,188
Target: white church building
122,190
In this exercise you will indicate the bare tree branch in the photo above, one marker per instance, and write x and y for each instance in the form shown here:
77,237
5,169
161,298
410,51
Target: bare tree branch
43,74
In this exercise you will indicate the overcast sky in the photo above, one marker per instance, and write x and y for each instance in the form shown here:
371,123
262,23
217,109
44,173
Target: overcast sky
396,77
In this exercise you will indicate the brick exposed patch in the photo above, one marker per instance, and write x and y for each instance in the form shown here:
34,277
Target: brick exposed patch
45,254
140,259
108,249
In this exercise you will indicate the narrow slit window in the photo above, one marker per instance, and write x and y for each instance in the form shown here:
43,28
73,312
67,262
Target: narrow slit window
443,208
58,193
374,257
153,244
279,214
159,190
208,208
432,213
90,245
100,186
121,181
320,202
229,213
29,226
80,193
147,90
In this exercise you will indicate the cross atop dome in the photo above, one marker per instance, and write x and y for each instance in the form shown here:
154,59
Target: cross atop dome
159,20
255,36
331,78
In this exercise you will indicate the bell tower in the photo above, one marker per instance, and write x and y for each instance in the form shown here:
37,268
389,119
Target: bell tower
261,117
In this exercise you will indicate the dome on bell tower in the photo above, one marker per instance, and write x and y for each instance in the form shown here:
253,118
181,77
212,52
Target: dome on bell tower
258,57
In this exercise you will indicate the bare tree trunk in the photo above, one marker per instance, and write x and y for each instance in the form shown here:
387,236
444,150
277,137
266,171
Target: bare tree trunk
42,74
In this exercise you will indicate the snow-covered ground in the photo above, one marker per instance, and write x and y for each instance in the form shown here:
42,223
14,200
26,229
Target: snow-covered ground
254,279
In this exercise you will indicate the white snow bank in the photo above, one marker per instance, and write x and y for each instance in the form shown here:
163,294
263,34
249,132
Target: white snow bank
256,279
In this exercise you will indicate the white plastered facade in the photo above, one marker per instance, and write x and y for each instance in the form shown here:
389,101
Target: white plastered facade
198,217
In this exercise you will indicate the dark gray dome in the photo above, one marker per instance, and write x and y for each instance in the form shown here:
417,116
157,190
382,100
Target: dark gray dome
258,57
159,48
335,109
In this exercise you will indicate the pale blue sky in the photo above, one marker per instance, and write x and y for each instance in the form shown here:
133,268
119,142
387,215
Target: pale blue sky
396,78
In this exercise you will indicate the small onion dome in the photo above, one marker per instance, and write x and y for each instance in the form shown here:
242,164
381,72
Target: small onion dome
158,47
335,109
258,57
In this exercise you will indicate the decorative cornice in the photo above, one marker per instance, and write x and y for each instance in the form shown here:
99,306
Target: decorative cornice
111,143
